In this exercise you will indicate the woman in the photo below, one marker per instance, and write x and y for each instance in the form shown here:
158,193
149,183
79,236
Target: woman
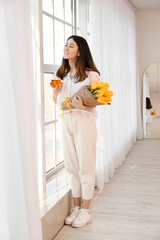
79,132
149,113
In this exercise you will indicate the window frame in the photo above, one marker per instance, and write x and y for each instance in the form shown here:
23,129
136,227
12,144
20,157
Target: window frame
52,68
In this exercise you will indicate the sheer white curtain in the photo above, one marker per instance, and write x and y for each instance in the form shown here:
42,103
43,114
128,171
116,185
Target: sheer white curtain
19,207
113,44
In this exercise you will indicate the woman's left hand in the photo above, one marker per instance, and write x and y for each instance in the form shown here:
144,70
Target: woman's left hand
77,102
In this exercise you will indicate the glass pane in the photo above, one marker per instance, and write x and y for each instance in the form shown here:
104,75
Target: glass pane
68,31
78,32
59,42
59,150
58,9
74,30
47,6
50,146
73,13
48,40
77,19
48,98
68,11
88,18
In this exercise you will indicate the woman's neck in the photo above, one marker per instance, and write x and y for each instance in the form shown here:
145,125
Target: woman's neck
72,68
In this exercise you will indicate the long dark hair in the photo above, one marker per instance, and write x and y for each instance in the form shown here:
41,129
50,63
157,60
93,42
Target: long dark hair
148,103
84,62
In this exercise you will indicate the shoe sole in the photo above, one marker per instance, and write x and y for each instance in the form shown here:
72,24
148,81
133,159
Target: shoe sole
69,224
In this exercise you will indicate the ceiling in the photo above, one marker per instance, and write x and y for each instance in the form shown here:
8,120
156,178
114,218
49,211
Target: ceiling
153,76
153,71
146,4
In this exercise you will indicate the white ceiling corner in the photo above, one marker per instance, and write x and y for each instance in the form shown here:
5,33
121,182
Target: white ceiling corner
146,4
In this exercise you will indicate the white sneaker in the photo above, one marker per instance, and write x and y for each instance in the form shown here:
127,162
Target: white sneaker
82,219
72,216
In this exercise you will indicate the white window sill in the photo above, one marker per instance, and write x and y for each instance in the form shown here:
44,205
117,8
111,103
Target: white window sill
57,186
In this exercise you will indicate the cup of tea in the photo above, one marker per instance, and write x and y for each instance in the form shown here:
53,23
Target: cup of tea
55,82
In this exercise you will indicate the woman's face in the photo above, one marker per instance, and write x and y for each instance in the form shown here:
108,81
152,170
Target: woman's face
70,49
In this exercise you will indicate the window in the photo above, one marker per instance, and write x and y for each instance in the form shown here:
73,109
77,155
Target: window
60,20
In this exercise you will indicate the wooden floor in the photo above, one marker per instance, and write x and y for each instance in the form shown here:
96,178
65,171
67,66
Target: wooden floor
128,208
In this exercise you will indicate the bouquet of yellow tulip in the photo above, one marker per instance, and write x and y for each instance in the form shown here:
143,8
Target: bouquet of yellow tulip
100,92
154,112
95,94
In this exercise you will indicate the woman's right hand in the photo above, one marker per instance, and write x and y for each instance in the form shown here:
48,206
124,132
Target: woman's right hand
56,90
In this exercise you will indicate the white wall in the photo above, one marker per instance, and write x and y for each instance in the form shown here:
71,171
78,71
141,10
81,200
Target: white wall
148,41
155,126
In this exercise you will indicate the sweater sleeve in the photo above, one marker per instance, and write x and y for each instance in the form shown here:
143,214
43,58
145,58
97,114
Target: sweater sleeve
94,76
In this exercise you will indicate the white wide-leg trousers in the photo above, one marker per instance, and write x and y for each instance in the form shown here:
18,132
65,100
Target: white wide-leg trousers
79,136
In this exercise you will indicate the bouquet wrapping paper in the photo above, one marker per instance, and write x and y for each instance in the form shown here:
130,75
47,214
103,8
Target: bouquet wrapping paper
87,98
95,94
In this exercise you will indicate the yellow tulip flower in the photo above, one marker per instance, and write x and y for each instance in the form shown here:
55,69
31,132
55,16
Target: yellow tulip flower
154,112
94,85
102,100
